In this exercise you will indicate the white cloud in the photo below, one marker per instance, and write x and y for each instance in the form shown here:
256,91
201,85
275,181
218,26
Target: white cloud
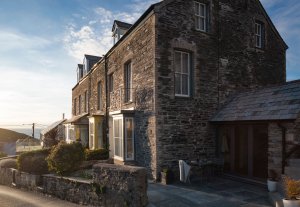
95,36
11,40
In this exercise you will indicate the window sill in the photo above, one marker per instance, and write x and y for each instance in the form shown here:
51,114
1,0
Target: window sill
203,32
182,97
259,49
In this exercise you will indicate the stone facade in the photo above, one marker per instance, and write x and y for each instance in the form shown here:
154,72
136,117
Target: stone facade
224,60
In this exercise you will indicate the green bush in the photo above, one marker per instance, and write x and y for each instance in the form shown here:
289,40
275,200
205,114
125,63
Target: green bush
98,154
2,154
8,163
34,162
64,158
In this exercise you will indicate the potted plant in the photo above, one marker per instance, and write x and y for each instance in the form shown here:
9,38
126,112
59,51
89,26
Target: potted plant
166,176
292,192
272,181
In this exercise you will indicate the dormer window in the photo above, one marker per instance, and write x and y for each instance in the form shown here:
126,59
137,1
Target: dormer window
79,72
119,29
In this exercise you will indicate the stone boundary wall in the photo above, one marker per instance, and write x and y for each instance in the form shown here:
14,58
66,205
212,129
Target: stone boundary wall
112,185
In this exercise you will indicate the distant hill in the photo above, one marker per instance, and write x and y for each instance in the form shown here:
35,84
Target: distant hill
7,135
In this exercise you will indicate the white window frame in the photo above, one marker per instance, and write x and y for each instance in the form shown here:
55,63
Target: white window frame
91,134
200,16
258,34
126,138
117,157
128,78
182,73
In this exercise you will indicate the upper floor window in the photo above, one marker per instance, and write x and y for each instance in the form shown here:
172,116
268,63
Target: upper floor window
79,104
128,82
75,106
99,94
201,16
86,101
259,34
182,73
111,83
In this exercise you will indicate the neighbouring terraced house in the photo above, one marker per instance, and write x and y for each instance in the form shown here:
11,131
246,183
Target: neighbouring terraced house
187,78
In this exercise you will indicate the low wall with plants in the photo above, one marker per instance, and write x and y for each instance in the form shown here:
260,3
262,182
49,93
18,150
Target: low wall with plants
111,185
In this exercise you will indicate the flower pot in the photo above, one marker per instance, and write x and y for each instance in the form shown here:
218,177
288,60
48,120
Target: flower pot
272,186
291,203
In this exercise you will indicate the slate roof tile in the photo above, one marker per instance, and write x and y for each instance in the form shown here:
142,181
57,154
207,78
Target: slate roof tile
272,103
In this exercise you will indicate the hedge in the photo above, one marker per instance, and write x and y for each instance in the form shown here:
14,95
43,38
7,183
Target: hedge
64,158
34,162
2,154
98,154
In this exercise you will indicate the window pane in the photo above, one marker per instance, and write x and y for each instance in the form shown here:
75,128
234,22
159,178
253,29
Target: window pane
197,8
117,147
185,63
202,24
185,86
177,62
177,83
202,10
197,23
129,139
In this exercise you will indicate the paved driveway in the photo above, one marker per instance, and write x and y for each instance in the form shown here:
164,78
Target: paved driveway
216,193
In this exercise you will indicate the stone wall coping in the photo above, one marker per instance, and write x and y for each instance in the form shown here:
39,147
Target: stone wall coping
73,179
124,168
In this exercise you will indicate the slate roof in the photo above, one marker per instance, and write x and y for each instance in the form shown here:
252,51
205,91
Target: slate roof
76,119
271,103
52,126
92,57
123,25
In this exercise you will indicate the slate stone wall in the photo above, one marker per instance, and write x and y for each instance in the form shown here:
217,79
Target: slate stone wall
241,64
224,61
111,185
139,49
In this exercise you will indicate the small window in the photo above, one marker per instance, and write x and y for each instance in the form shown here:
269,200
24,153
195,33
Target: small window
111,83
99,96
110,87
128,82
182,73
86,102
75,106
201,16
79,104
259,35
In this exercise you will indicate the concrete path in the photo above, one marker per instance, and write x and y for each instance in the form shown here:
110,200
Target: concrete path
10,197
216,193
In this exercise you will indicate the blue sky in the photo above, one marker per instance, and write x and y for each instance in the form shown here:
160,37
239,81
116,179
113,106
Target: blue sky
42,41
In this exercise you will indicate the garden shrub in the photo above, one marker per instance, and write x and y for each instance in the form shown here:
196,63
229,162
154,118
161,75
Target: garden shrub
98,154
34,162
64,158
8,163
2,154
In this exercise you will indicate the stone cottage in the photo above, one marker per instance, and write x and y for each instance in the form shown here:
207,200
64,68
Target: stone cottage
153,95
